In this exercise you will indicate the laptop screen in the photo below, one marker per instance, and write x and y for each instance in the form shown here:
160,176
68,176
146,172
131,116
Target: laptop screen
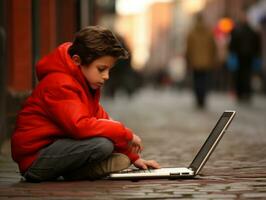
212,141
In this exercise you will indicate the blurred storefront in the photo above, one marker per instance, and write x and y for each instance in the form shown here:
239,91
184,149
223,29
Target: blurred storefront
29,30
2,73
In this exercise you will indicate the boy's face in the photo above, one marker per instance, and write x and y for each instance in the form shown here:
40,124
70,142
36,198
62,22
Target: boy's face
97,72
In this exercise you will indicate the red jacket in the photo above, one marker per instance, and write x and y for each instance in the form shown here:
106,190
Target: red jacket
62,106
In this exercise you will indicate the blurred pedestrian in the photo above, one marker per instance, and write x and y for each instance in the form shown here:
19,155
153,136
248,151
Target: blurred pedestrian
123,76
200,57
263,51
62,130
244,50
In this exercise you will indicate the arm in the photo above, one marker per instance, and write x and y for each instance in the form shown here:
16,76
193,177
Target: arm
101,113
133,156
134,148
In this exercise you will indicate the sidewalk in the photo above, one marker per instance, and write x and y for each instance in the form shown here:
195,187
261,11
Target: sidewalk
172,131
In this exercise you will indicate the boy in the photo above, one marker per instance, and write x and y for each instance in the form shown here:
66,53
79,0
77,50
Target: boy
62,130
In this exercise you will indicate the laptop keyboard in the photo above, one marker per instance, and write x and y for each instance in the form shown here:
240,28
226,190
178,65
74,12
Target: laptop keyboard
137,171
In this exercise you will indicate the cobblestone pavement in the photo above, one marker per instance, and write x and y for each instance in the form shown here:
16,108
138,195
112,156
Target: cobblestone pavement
172,131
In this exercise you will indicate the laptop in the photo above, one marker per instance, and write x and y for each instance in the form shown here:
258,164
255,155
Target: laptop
195,166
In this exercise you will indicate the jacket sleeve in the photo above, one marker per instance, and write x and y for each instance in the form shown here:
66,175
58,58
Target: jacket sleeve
101,113
64,106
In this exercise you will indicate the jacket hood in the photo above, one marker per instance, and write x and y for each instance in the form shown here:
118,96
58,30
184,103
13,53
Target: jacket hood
58,61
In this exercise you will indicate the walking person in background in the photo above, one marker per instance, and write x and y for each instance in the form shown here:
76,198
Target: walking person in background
62,130
200,57
123,76
244,47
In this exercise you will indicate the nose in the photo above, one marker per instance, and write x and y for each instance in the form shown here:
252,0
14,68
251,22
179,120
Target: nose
106,76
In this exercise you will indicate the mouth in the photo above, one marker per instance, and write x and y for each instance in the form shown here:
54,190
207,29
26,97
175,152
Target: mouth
100,84
96,85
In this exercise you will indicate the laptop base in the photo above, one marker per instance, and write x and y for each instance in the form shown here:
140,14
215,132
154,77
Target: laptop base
163,173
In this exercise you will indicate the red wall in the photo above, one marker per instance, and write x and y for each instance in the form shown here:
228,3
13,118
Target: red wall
19,45
47,26
57,24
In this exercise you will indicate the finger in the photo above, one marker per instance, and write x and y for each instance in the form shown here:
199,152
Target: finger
141,147
153,164
144,166
135,149
141,165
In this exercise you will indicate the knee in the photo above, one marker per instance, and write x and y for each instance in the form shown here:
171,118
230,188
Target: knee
104,146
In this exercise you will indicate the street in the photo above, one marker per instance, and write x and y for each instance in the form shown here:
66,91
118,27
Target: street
172,131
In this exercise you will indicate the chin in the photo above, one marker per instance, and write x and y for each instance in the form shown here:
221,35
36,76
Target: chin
95,87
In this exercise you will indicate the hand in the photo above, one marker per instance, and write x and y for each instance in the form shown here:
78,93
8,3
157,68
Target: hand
136,145
145,164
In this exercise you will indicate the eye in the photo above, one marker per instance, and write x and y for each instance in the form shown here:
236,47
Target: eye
101,69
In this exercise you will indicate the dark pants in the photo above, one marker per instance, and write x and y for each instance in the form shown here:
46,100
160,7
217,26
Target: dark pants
201,84
243,79
68,157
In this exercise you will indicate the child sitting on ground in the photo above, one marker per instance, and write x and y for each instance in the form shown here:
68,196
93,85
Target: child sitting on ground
62,130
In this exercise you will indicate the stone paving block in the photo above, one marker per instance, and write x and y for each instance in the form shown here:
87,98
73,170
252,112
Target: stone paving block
254,195
215,196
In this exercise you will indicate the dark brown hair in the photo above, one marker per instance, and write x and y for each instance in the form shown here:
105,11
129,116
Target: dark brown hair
93,42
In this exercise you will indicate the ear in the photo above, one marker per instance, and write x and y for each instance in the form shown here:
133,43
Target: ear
76,59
